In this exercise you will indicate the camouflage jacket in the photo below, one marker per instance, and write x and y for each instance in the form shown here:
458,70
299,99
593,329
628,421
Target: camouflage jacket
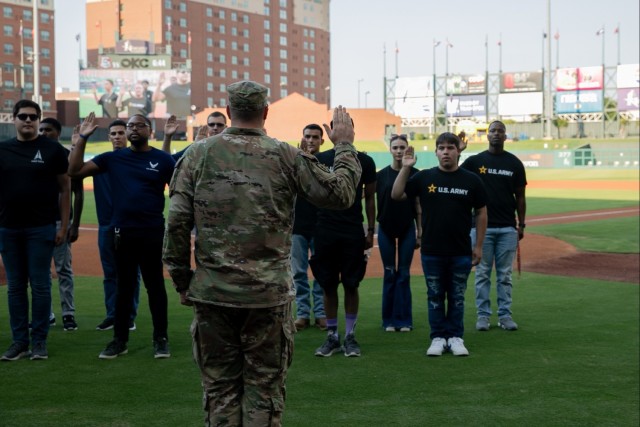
238,189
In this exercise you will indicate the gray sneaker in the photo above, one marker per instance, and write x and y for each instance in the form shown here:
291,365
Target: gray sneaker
351,346
330,346
482,324
161,348
39,351
114,349
16,351
507,323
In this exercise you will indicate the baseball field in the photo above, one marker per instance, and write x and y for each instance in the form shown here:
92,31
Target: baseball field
574,362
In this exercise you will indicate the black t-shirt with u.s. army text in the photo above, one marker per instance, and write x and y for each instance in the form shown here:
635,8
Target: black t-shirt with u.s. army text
347,221
29,187
447,200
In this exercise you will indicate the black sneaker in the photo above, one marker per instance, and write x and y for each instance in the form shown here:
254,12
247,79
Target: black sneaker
69,323
330,346
161,348
39,351
105,325
16,351
351,346
132,325
114,349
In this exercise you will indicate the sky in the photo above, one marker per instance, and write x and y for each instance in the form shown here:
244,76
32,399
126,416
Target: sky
362,29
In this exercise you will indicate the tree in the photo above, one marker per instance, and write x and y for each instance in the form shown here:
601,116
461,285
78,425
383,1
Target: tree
560,123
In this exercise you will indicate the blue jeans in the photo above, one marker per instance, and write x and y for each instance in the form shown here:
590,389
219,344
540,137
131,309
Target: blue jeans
62,263
108,260
396,289
26,253
300,247
446,278
499,247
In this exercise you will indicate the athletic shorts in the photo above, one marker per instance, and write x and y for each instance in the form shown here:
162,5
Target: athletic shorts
338,259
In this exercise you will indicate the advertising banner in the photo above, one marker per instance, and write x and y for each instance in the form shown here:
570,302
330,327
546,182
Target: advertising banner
583,78
526,81
628,99
520,104
462,85
589,101
467,106
628,75
124,92
145,62
140,47
414,97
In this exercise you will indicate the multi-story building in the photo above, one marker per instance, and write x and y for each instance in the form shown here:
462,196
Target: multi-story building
283,44
17,76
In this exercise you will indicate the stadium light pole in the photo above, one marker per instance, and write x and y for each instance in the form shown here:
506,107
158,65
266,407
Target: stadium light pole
549,108
359,82
436,43
604,102
366,95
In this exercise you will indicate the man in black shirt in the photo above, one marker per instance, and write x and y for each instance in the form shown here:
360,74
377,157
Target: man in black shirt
340,243
504,177
34,191
448,196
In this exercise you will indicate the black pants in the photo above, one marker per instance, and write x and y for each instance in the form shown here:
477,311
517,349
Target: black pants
140,247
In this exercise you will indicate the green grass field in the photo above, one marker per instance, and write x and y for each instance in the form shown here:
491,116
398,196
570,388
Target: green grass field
574,362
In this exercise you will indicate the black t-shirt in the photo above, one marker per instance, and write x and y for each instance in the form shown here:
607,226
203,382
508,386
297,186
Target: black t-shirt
305,217
501,174
108,102
347,221
178,99
447,200
136,106
394,217
29,188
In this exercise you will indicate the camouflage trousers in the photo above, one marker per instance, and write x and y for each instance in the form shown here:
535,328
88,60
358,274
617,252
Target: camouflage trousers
243,355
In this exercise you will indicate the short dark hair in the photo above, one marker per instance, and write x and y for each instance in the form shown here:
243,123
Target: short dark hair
110,81
26,103
245,116
313,126
218,114
53,122
146,119
496,121
449,138
117,122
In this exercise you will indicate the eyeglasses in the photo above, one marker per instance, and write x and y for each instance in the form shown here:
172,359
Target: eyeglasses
136,125
402,136
24,117
215,125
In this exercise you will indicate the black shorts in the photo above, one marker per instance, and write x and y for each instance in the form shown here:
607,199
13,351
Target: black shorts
338,259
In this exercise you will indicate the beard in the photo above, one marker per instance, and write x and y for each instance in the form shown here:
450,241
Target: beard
138,142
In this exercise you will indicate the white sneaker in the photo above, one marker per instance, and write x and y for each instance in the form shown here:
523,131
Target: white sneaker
437,347
456,345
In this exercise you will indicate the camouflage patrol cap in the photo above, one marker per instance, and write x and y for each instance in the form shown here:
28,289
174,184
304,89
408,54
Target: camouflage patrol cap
247,96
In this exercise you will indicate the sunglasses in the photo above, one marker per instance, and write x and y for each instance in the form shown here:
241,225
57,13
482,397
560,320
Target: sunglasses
24,117
136,125
402,136
215,125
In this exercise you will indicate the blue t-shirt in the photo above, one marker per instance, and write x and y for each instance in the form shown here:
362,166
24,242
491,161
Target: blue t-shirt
447,200
102,194
137,180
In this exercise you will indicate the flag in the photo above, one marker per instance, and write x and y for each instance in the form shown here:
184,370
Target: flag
436,43
189,37
556,35
600,31
617,30
78,37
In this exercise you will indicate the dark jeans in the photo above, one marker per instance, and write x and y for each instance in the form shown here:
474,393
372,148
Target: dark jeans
26,253
108,260
396,289
140,249
446,278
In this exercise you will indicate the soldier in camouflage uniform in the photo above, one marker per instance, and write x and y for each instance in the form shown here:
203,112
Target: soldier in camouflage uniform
238,189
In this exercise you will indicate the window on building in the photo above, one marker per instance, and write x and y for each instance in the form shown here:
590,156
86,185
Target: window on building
209,27
167,36
312,96
222,72
245,33
267,38
44,18
209,12
267,52
210,102
267,79
234,45
245,47
209,57
245,76
305,32
8,103
222,44
312,59
209,72
183,23
221,14
245,62
7,12
223,102
183,53
312,46
267,65
305,45
283,40
210,86
27,15
223,87
267,25
267,11
305,71
28,86
46,88
8,31
305,58
234,31
234,74
183,6
27,33
245,19
305,84
223,59
283,92
28,69
183,38
8,48
283,14
234,60
283,3
167,4
283,28
234,16
283,67
312,71
46,70
209,42
283,54
222,29
46,105
45,35
7,67
312,33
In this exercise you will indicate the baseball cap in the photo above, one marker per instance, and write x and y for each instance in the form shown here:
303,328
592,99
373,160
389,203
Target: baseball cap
247,96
